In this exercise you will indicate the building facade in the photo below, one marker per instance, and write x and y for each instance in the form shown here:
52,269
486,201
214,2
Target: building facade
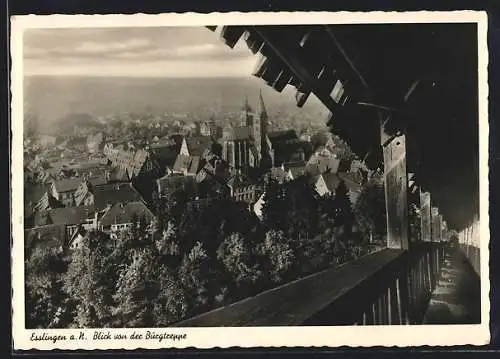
247,146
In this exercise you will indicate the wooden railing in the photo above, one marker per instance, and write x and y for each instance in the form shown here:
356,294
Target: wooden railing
390,286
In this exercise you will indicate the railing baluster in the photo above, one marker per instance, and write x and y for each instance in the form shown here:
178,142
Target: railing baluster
428,271
390,304
383,300
395,303
380,319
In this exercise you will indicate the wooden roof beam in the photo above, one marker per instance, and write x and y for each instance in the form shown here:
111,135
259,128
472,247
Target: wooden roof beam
346,57
291,57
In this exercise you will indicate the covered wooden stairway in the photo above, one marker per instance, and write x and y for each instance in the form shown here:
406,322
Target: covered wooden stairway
405,98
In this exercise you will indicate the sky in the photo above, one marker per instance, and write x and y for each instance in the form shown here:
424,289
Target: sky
135,52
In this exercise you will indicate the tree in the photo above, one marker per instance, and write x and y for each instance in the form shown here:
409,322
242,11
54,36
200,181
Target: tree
369,210
148,293
300,211
342,206
170,303
170,207
45,300
319,139
275,205
236,254
136,290
90,281
344,152
168,246
195,276
278,253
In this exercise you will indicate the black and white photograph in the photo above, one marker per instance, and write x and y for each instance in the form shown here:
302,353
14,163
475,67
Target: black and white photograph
318,175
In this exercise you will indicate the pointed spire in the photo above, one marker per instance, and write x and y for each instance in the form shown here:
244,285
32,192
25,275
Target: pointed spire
261,109
246,106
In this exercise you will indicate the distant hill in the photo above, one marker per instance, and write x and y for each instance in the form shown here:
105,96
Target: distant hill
52,99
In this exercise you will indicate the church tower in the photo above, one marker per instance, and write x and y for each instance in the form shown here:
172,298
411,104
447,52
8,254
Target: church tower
246,114
261,131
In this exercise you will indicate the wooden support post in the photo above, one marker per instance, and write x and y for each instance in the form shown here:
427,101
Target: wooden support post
445,231
435,224
425,216
396,190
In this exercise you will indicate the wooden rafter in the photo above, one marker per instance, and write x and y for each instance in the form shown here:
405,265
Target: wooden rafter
294,60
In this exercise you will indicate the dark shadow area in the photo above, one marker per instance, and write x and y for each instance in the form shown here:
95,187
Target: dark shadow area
457,296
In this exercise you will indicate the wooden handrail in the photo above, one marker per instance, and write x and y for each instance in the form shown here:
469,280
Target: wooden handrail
390,286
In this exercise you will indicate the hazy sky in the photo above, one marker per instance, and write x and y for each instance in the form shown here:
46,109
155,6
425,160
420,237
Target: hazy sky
153,51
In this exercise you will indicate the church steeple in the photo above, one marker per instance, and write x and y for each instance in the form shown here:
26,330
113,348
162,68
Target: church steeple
264,145
261,107
246,115
246,107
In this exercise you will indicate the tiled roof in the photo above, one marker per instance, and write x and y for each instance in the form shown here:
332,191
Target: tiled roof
125,213
47,201
351,181
110,194
63,216
282,135
67,184
98,179
197,144
50,235
190,164
177,138
332,181
34,192
81,192
139,158
296,168
321,164
119,174
173,182
167,153
130,162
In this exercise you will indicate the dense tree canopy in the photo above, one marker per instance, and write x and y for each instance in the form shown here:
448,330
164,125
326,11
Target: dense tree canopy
200,254
370,210
45,268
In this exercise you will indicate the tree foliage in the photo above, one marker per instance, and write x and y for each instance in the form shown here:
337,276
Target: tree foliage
238,258
195,275
342,207
277,249
90,281
370,210
45,301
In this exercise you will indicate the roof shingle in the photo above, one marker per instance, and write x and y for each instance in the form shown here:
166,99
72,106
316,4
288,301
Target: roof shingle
67,184
198,144
125,213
